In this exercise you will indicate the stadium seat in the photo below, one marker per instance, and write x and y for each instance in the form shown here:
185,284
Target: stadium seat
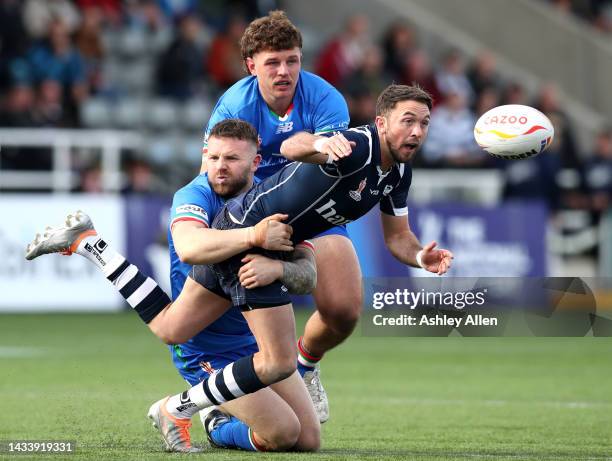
162,150
130,113
162,114
132,43
192,150
195,114
135,77
96,113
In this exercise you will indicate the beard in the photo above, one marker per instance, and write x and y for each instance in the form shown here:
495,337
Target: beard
399,157
230,188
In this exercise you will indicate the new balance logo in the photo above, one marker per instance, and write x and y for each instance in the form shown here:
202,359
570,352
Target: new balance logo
328,212
285,127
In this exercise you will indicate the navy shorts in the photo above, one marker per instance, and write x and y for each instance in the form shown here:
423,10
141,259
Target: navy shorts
222,279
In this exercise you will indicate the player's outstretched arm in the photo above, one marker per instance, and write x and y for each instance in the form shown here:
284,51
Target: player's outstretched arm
195,243
306,147
405,246
299,274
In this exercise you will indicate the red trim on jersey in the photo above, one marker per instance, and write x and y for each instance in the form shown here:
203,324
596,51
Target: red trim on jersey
289,109
308,244
186,218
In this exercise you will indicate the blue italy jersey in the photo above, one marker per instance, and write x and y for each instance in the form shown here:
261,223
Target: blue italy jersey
317,108
198,202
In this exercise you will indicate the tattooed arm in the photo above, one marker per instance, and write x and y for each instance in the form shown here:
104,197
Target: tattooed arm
298,274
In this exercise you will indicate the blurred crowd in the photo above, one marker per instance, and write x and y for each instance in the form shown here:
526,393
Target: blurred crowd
598,13
54,57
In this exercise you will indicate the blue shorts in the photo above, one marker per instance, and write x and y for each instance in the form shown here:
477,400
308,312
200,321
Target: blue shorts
337,230
208,363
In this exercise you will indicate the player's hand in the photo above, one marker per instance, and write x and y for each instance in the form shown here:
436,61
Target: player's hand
272,234
259,271
436,261
336,147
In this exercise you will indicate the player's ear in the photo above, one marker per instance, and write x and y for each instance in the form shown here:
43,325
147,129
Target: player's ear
256,162
250,65
381,124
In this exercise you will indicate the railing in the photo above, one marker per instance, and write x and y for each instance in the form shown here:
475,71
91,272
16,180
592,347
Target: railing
62,142
476,186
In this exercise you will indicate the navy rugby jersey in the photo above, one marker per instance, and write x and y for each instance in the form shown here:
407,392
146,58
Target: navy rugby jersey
318,197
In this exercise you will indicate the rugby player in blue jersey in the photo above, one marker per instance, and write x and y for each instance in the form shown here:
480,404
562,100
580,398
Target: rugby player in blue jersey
346,175
281,418
281,99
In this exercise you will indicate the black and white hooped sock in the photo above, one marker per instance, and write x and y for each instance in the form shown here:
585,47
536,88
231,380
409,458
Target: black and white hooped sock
233,381
141,292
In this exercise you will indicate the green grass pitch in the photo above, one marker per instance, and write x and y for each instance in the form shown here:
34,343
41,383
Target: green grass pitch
91,379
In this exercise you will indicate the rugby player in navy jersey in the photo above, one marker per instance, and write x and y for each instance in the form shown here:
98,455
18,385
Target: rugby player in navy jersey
280,99
347,174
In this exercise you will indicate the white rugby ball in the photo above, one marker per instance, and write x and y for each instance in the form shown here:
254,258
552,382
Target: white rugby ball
514,131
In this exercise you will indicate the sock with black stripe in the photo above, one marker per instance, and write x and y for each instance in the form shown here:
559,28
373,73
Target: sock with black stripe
233,381
141,292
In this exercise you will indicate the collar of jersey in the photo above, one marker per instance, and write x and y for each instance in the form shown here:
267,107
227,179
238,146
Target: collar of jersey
282,118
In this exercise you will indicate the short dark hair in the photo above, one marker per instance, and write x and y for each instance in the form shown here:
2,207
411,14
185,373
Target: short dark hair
398,93
235,129
272,32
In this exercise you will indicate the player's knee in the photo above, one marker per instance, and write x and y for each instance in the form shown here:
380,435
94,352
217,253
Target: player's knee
284,438
342,318
276,364
282,367
340,307
309,439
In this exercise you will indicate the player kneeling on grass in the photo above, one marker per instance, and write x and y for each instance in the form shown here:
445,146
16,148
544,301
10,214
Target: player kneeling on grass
283,415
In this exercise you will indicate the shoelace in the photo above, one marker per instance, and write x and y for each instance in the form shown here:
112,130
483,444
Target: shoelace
183,429
316,383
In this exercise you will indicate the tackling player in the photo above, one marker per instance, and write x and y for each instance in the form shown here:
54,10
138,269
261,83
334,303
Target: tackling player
281,418
330,190
281,99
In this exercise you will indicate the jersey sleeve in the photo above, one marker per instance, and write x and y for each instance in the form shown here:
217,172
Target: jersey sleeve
189,205
332,113
360,156
394,204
